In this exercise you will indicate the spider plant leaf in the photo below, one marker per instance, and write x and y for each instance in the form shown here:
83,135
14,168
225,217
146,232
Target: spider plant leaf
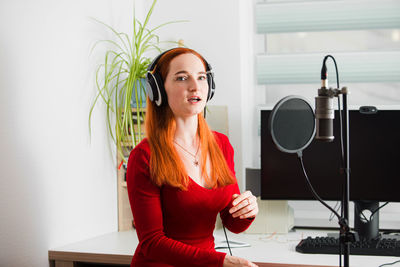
117,34
117,79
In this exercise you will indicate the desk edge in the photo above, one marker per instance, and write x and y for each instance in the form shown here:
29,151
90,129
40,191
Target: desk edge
89,257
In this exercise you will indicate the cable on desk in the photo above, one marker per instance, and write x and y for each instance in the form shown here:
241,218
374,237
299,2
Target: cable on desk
279,239
387,264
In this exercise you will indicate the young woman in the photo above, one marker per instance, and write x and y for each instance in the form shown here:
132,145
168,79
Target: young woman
182,175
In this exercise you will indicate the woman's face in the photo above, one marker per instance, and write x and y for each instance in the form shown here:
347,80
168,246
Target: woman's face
186,85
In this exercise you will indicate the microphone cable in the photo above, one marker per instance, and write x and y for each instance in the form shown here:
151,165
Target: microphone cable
300,156
339,109
320,200
340,140
313,191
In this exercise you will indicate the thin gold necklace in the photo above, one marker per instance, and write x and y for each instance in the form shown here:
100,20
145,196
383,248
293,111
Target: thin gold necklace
196,161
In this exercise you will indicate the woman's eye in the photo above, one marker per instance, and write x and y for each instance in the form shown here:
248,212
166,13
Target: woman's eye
181,78
202,78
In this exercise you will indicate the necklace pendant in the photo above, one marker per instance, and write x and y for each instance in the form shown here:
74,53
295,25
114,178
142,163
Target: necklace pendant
196,163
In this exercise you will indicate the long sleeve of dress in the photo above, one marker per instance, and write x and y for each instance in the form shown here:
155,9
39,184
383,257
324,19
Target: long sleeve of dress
146,207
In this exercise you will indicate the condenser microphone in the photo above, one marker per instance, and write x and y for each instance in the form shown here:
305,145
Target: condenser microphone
324,112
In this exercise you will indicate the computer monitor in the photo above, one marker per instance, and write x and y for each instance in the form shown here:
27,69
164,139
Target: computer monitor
374,163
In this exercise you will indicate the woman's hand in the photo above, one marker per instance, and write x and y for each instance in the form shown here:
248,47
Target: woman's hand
232,261
244,205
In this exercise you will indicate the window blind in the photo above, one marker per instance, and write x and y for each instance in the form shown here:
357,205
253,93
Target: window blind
327,16
333,15
306,68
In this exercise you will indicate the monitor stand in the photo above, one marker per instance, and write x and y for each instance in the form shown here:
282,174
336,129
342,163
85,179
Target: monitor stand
365,225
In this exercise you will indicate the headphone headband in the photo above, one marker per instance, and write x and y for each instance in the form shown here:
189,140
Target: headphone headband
153,64
155,84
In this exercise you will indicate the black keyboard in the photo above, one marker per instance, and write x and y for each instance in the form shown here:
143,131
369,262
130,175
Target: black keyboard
330,245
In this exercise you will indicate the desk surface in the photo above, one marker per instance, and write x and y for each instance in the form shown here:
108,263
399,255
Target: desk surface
118,248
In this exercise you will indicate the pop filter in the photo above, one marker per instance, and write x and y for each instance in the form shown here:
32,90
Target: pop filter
292,124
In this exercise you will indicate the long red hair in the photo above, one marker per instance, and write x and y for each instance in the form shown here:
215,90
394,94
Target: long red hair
166,167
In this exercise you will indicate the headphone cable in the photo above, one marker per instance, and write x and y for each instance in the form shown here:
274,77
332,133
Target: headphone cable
227,241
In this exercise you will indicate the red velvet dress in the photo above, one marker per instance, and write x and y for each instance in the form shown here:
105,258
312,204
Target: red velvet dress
175,227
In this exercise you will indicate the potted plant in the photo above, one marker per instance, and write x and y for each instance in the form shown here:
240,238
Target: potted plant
120,82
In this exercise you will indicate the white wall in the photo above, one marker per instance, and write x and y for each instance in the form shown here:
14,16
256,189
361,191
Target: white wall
55,186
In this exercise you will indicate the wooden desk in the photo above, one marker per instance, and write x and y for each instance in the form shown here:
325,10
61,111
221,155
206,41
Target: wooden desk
266,250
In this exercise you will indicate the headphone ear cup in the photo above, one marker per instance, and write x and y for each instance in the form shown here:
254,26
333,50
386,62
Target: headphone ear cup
150,84
211,85
155,88
162,95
